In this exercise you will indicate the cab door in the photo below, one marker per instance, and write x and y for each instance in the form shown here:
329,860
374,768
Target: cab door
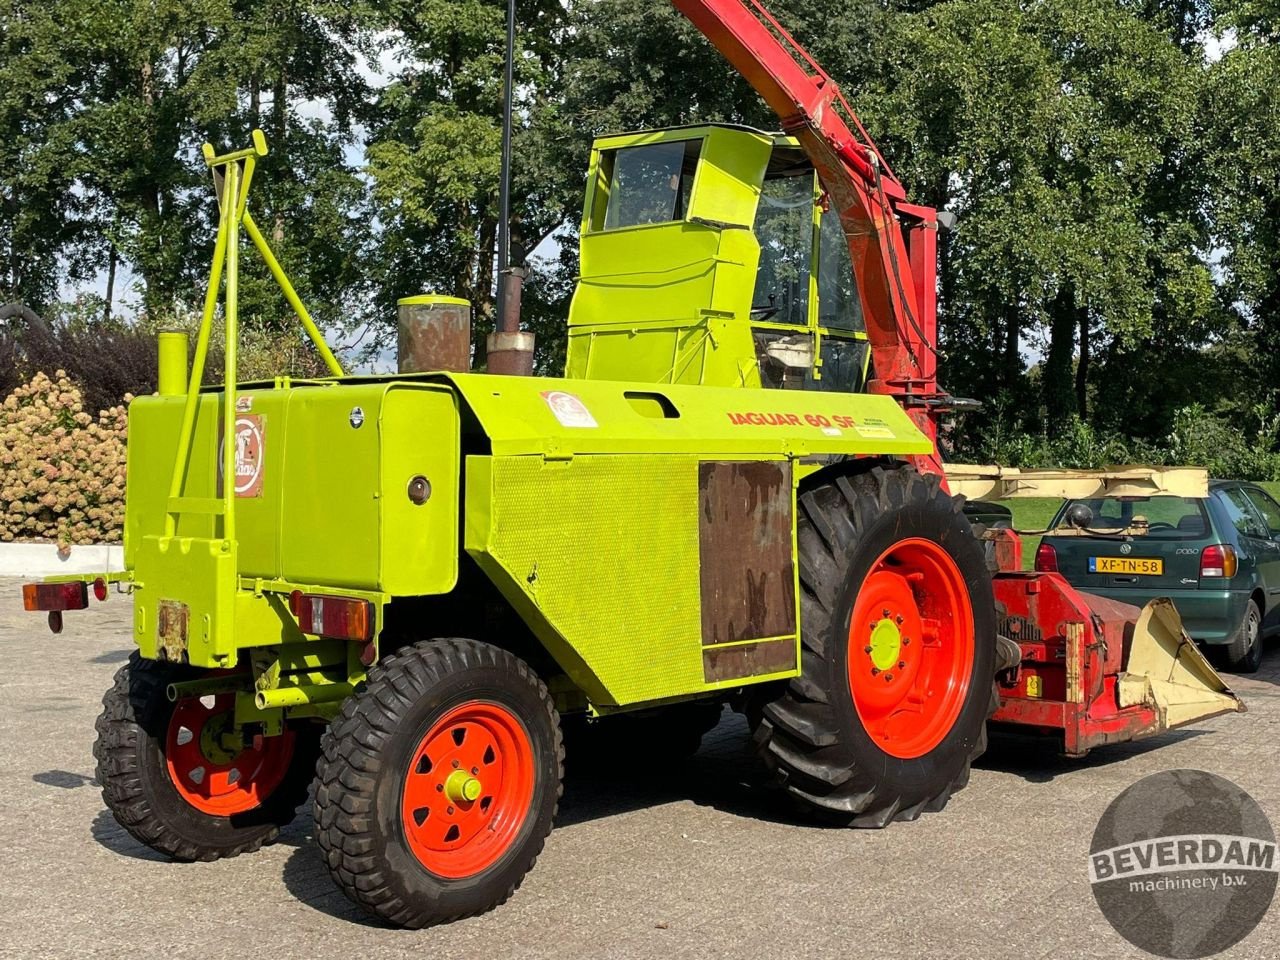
806,316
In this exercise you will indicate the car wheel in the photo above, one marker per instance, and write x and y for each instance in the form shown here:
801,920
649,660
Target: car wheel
1245,650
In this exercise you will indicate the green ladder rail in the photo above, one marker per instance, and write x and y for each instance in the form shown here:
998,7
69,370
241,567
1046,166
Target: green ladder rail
232,177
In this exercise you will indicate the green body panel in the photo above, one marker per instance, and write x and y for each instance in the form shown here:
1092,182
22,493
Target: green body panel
605,550
331,509
653,299
516,417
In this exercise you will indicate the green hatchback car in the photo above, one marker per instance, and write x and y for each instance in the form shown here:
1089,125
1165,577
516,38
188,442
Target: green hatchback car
1217,558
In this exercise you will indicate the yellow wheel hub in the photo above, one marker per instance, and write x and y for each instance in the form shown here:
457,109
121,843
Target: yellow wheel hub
886,644
462,787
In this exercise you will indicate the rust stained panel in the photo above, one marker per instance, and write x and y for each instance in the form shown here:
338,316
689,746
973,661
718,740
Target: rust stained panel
434,336
744,544
172,624
748,660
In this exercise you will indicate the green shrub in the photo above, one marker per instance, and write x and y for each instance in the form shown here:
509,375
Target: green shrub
62,471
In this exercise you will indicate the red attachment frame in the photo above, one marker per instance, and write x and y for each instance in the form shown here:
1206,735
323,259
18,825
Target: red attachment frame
1074,648
893,244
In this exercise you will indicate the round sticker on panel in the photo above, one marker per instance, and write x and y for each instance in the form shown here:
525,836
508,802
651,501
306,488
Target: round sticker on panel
568,409
250,450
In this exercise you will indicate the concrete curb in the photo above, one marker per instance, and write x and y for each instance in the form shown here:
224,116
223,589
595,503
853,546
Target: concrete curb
43,559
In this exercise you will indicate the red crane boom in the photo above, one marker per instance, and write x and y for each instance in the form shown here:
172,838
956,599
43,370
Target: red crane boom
892,243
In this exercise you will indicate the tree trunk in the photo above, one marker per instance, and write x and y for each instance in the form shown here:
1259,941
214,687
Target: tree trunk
1082,366
1056,382
1011,366
111,283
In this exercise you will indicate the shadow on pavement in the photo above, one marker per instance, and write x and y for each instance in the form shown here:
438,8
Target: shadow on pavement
111,835
111,656
1039,760
64,779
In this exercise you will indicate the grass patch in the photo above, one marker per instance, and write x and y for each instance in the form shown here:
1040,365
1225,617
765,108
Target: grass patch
1032,513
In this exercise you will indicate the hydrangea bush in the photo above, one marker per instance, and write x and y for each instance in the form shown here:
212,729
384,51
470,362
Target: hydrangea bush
62,471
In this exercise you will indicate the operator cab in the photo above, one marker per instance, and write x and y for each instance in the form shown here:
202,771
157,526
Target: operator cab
708,256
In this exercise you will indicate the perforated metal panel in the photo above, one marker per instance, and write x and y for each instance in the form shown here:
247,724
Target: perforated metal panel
607,548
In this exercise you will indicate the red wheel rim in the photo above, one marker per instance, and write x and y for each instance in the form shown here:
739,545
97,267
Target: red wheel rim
911,644
210,770
468,789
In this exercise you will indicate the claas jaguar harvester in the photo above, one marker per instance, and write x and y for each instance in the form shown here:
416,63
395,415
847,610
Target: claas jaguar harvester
409,585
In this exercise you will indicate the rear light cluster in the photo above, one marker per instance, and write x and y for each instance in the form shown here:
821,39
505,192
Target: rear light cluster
1046,558
1218,560
342,618
55,596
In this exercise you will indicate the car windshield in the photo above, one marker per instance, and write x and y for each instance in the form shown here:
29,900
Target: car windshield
1168,518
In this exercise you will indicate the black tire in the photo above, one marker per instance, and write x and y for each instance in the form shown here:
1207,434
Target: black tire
810,735
1244,652
366,758
137,788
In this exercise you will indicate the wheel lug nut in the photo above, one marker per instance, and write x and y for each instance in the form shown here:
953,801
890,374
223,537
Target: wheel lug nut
885,611
906,641
874,671
439,788
450,810
866,649
888,677
898,618
902,664
474,771
456,764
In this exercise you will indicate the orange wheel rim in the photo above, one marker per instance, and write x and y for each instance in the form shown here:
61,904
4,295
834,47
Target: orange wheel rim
911,648
468,789
214,775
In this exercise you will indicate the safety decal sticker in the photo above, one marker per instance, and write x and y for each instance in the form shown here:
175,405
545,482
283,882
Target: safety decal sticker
568,409
250,450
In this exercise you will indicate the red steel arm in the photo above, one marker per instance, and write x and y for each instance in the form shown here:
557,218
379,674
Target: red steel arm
896,279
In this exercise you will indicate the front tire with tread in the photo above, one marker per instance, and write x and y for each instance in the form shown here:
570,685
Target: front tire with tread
364,763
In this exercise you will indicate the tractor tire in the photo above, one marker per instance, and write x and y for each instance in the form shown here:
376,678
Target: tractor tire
439,781
173,788
1244,652
898,652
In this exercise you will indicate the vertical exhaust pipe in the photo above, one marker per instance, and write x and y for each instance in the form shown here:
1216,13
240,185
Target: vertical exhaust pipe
171,361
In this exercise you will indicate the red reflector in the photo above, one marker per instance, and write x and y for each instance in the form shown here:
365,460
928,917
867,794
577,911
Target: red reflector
54,596
1046,558
1218,560
343,618
100,589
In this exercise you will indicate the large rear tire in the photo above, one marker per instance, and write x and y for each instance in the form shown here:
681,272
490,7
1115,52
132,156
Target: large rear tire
170,779
898,643
439,781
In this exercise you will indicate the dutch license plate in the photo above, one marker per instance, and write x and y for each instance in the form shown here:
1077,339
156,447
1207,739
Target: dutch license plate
1141,566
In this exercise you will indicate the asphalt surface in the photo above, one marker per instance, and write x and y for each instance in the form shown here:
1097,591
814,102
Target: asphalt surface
691,859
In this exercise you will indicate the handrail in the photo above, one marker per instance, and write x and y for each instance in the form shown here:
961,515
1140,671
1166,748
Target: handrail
232,178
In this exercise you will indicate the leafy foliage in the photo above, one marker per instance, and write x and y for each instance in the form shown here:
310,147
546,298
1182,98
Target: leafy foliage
62,471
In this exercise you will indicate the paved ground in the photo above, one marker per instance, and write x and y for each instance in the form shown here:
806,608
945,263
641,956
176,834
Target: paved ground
693,861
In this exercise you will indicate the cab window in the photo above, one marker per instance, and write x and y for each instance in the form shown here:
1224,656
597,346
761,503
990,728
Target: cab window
838,305
646,184
784,227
